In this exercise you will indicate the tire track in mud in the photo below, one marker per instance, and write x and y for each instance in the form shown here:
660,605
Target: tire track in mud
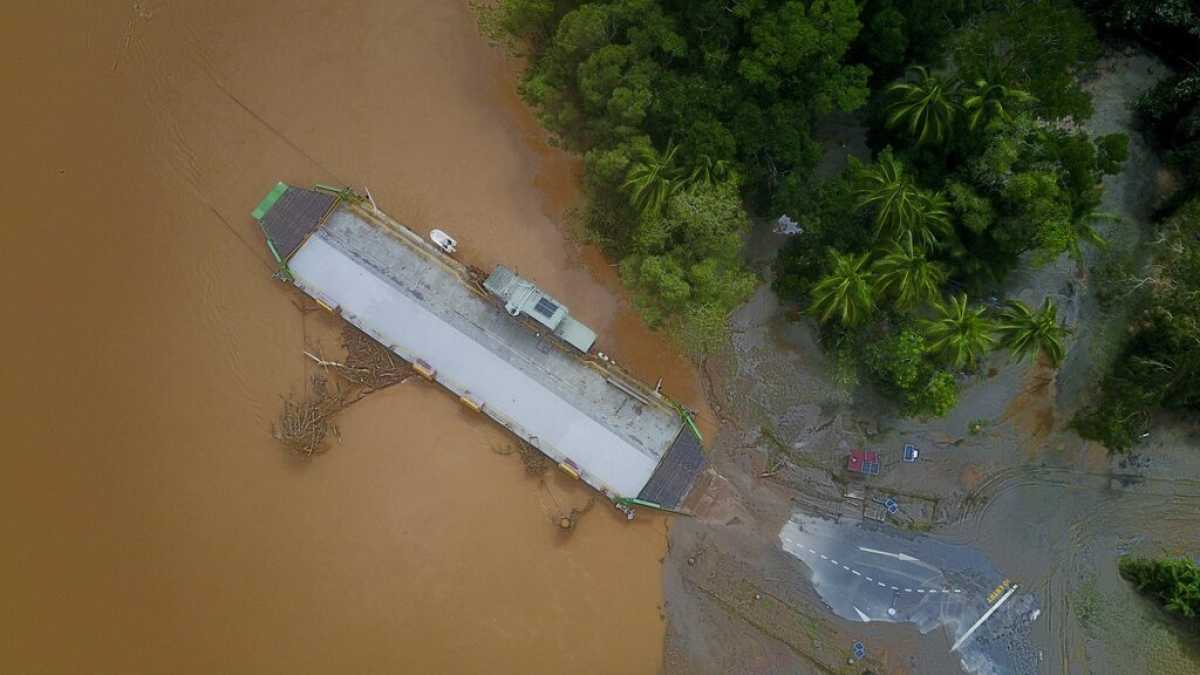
1183,492
1065,522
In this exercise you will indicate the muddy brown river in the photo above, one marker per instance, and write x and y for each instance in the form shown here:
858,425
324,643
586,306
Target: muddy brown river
151,523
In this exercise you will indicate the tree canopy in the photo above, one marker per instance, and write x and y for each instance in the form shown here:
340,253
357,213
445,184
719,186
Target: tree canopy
688,114
1172,582
1159,363
681,110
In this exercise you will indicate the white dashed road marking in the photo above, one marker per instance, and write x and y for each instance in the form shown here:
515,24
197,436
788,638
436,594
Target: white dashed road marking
856,573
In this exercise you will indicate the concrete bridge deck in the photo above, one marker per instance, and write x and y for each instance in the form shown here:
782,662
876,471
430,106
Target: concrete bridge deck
397,288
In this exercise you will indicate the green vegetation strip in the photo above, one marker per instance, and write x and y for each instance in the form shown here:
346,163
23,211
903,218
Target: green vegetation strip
1172,582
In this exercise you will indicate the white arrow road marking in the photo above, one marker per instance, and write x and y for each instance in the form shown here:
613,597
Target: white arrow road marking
864,617
903,557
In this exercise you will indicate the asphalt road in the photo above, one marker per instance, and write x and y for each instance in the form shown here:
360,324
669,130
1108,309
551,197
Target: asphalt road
873,572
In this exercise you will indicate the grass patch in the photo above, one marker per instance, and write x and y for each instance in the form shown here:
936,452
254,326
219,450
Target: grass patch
1087,603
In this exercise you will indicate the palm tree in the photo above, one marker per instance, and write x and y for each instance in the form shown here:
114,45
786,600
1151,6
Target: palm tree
907,274
925,105
1082,230
846,292
653,179
959,334
986,101
706,173
1026,333
901,206
933,218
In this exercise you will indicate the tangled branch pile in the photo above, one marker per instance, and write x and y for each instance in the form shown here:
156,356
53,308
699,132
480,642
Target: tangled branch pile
535,462
370,364
306,423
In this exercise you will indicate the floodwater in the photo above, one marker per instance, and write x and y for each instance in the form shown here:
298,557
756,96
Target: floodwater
152,524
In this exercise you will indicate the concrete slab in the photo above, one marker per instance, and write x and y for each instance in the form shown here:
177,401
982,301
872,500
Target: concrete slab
417,303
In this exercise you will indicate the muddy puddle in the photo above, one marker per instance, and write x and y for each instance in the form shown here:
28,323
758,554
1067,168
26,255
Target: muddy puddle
154,525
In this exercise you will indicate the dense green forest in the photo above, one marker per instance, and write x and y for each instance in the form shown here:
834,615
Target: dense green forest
979,163
692,116
1172,582
685,112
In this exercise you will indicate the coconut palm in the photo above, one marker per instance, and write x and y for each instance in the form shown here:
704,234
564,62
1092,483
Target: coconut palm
707,172
1026,332
653,179
901,206
959,334
846,292
987,101
933,218
925,105
906,274
1083,230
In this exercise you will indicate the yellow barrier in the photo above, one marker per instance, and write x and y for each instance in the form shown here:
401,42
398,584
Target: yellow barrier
470,402
424,370
569,470
998,591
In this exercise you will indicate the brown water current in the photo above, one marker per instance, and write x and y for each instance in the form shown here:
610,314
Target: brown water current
151,523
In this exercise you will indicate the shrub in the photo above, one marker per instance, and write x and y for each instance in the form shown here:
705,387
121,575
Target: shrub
1172,582
936,398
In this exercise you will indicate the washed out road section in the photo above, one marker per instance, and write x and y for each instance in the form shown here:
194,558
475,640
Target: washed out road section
872,572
